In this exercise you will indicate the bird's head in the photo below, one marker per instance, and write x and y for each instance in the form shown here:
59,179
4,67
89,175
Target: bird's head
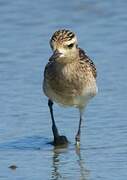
64,45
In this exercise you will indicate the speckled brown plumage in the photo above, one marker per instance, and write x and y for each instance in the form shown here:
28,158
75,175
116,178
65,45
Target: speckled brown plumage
68,81
70,75
62,35
84,57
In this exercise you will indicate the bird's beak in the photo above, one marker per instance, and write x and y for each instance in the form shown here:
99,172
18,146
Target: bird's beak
56,54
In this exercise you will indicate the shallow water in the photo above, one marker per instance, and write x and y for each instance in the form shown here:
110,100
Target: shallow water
25,125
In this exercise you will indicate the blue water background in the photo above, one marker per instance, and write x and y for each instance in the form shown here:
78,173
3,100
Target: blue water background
25,126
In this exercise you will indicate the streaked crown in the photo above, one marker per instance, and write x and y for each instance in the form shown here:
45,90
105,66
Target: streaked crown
62,36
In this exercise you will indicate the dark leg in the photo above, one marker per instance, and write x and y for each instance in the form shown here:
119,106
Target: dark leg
54,128
77,138
58,140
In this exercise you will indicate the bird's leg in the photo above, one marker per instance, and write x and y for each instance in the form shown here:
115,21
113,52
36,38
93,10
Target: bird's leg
77,138
58,140
54,128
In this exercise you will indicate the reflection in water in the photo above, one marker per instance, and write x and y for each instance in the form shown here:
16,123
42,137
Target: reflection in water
56,162
83,171
57,174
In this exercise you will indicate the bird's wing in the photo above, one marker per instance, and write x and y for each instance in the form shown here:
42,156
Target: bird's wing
86,59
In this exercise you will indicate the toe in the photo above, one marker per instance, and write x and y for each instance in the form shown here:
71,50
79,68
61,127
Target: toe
77,144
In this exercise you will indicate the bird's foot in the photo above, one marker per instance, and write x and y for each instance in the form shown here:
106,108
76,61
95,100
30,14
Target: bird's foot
77,139
78,144
60,141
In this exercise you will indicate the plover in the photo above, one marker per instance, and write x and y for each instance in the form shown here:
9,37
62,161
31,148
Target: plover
69,78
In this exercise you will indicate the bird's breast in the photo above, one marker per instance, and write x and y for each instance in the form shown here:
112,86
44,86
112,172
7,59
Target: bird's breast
69,87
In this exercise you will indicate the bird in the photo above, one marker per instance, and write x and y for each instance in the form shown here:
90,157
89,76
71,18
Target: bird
69,79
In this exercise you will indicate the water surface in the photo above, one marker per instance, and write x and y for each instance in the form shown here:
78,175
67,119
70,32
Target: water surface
25,125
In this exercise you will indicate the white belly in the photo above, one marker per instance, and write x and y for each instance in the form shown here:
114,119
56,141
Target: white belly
82,100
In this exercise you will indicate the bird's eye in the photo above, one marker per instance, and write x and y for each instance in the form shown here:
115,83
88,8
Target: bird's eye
70,45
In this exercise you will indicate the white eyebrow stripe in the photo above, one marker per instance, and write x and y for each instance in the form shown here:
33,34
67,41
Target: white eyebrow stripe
71,41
